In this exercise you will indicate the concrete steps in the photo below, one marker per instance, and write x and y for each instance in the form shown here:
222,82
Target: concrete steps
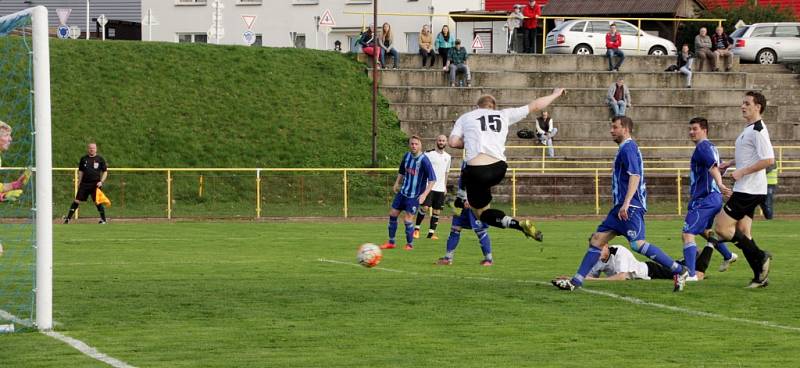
588,112
548,63
641,96
574,79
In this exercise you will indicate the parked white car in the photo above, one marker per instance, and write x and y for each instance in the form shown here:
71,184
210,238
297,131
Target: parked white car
767,43
588,37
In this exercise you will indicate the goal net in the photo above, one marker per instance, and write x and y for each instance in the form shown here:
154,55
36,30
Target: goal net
25,205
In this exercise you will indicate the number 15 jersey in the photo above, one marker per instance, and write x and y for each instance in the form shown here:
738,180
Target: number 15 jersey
485,130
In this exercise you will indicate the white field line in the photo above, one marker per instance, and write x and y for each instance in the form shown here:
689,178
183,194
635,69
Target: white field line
627,299
75,343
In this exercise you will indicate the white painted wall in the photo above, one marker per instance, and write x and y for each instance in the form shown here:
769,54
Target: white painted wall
277,18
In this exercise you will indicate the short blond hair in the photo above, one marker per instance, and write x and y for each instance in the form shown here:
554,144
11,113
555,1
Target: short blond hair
5,127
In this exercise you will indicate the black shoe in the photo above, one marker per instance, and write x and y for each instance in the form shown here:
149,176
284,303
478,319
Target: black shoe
764,274
66,220
102,222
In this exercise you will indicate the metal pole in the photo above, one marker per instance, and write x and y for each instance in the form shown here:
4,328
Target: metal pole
513,192
596,192
679,192
344,184
43,209
258,193
375,88
150,24
87,19
169,194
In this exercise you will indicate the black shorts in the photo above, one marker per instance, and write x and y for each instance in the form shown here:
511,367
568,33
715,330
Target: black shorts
434,200
479,181
740,205
86,190
657,271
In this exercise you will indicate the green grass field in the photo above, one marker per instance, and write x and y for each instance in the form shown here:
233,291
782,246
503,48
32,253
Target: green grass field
288,294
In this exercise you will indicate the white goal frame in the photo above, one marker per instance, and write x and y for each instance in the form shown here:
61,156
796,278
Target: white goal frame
43,207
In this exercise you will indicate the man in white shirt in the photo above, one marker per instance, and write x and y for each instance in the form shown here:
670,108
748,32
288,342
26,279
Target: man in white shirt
752,156
440,160
618,263
482,134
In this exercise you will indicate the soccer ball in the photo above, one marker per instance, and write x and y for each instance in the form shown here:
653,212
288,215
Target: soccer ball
369,255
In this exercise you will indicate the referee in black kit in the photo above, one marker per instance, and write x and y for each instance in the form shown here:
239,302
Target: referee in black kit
92,173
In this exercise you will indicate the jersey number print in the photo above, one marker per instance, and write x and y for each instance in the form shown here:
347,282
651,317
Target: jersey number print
494,123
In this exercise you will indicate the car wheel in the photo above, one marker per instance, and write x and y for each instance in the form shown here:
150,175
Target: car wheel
766,56
583,49
657,51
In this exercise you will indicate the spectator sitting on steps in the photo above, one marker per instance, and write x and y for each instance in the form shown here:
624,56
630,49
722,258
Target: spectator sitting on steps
702,49
722,44
613,45
369,44
618,97
457,62
545,131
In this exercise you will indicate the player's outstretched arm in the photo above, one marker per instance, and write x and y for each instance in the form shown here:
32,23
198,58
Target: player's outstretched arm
542,102
456,142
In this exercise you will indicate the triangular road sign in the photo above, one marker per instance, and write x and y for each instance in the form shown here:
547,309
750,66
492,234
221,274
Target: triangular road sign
327,19
477,43
63,14
249,20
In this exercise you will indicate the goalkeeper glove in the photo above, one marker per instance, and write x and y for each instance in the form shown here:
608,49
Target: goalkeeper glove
22,181
11,195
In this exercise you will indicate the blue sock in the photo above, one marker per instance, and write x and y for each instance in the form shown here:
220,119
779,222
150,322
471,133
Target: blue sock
486,243
452,243
655,253
690,256
723,249
392,228
409,232
589,259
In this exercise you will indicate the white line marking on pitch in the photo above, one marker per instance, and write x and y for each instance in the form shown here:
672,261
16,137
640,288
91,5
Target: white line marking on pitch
75,343
628,299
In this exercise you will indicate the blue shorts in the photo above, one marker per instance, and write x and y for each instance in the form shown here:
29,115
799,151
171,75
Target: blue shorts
701,214
403,203
633,229
467,220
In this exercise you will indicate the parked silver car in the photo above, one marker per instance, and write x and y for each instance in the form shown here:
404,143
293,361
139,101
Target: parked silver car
767,43
589,37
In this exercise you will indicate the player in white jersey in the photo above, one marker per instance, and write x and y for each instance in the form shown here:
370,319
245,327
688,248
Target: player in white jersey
753,155
440,160
482,134
618,263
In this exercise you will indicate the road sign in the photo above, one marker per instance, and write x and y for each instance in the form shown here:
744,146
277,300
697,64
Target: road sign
249,37
63,32
477,43
63,14
249,20
74,32
102,20
327,19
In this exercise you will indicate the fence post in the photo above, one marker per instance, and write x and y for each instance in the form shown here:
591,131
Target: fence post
169,194
543,158
344,184
780,160
678,180
513,192
75,191
258,193
596,191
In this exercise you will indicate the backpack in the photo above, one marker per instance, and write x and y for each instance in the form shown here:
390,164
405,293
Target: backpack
525,134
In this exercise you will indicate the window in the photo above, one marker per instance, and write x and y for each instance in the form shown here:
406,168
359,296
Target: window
786,31
598,27
739,32
412,41
626,29
300,41
578,27
259,41
190,2
762,32
192,38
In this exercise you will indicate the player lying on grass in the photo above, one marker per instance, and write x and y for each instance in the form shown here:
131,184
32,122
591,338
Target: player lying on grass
618,263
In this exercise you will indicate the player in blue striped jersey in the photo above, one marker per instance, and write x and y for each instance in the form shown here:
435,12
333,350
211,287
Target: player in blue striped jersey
415,179
706,189
626,218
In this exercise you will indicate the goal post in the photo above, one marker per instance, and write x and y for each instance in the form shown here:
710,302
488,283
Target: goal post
27,229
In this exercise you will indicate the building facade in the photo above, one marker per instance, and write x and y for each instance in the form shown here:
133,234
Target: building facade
125,14
293,23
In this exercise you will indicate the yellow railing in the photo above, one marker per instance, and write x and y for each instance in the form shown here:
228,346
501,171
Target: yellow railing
594,173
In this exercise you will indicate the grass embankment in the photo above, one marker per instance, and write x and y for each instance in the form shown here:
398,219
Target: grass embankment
190,105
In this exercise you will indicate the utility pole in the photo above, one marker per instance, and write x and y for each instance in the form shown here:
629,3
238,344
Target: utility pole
375,86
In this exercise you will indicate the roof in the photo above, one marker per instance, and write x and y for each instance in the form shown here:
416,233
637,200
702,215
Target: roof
790,4
611,7
508,5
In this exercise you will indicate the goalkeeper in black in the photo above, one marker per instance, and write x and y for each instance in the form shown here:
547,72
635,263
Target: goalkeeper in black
92,173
